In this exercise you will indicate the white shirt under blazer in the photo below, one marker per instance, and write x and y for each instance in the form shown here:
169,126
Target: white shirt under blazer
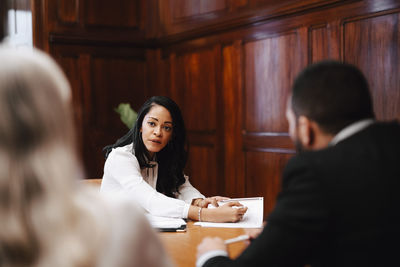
122,174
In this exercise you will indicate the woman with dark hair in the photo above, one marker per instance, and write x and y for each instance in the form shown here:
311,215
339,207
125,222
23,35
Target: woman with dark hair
147,164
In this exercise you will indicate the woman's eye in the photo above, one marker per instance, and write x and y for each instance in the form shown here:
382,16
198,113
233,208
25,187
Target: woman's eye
151,123
167,128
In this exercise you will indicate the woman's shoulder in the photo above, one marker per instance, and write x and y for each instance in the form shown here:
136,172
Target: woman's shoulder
126,149
123,151
121,156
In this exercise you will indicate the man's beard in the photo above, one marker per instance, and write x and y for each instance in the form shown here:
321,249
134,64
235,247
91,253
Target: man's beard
298,145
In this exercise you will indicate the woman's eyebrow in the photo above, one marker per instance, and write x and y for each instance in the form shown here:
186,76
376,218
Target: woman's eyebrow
170,122
153,118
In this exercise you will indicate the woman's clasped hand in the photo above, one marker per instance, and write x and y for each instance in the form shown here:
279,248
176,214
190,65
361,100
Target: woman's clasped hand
224,211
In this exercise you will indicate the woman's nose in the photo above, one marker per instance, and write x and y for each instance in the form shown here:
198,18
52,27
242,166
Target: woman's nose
157,131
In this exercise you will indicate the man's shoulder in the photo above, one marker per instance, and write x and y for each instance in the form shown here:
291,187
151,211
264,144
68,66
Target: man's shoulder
361,148
385,127
306,158
303,168
377,135
388,124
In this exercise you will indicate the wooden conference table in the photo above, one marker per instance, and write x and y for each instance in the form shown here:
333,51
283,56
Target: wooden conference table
182,246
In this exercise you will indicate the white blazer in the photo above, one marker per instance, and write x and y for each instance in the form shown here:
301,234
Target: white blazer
122,174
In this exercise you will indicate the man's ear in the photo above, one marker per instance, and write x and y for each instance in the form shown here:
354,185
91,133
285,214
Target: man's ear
305,131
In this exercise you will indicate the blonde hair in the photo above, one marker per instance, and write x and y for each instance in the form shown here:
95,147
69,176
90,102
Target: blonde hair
41,221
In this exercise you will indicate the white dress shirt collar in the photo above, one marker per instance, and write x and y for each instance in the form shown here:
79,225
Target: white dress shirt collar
350,130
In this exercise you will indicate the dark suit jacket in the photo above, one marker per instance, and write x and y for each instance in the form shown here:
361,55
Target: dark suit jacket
338,206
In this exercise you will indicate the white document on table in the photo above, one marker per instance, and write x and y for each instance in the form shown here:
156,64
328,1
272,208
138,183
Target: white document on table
253,218
164,222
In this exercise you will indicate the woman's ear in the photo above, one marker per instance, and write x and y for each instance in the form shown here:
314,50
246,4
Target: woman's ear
305,131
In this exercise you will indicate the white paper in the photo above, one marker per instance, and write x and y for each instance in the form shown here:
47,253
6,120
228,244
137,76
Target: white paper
253,218
164,222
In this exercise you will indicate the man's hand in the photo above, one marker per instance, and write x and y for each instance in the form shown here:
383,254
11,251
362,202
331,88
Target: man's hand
209,244
253,233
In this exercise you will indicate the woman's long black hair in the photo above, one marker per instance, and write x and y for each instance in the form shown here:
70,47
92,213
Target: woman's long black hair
172,158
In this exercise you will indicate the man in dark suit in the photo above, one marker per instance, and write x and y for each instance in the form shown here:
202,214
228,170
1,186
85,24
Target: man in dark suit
340,198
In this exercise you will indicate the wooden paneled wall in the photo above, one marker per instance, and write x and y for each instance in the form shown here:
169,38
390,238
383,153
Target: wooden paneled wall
98,44
228,64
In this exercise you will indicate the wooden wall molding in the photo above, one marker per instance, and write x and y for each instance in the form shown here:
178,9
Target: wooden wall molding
199,10
255,141
90,39
206,138
67,12
195,27
89,31
325,41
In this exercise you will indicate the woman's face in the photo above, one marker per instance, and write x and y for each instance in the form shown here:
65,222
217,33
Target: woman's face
156,129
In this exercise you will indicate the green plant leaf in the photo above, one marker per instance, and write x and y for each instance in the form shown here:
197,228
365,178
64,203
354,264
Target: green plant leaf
127,114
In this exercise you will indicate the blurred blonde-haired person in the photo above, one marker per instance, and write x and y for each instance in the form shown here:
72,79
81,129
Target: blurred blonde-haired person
46,217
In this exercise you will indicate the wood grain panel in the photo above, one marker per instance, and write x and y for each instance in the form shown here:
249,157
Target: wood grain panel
192,80
201,138
233,109
263,176
189,8
373,44
239,4
324,42
68,11
269,141
116,13
100,80
113,80
70,65
193,85
271,66
202,170
159,68
318,43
